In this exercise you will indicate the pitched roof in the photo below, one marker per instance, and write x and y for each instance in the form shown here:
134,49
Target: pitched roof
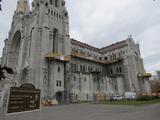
101,50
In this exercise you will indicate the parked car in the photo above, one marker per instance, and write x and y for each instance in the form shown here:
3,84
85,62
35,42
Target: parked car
118,97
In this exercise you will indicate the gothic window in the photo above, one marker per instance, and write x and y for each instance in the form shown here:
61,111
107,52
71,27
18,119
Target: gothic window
75,68
110,57
57,15
71,66
89,69
106,58
66,14
55,40
120,69
111,71
56,3
48,10
51,2
85,79
74,78
59,69
46,4
63,3
81,68
37,4
117,70
14,49
58,83
51,12
115,55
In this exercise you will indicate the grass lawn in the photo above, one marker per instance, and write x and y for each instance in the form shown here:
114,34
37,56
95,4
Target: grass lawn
132,102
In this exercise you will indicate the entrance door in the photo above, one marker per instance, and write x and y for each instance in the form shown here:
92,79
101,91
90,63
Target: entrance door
59,96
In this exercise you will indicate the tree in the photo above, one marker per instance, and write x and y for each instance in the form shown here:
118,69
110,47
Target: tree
0,5
2,69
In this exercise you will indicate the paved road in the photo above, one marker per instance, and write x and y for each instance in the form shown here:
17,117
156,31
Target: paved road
91,112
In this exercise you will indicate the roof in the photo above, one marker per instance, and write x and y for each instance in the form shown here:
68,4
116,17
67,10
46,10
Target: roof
84,45
114,46
101,50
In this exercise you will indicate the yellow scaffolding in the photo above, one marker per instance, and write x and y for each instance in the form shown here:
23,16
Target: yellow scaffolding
57,56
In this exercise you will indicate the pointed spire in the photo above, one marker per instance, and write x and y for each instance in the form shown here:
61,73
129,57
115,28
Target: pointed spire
23,6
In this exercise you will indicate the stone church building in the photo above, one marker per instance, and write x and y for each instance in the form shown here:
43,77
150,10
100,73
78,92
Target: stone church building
40,51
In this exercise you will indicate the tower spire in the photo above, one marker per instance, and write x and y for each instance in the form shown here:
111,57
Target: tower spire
23,6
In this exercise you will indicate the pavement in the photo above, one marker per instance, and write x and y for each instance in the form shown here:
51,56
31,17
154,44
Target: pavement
89,112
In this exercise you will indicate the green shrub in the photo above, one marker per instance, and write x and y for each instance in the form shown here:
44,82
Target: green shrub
145,98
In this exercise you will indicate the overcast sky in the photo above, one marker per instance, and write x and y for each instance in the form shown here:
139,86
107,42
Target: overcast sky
103,22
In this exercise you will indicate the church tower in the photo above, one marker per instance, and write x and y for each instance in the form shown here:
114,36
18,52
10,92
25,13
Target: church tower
50,49
38,46
23,6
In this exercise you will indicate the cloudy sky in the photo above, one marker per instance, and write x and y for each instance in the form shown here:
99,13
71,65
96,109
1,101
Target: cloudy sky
103,22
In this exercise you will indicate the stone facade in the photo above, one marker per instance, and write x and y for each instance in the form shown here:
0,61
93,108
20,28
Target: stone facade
41,52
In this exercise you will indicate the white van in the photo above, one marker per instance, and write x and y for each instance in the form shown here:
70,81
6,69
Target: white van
130,95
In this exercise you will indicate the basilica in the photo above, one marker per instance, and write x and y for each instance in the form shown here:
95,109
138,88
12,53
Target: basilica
40,51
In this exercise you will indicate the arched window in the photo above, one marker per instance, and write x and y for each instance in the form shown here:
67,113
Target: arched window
37,4
74,79
55,40
63,3
46,4
56,3
14,50
117,70
120,69
85,79
51,2
106,58
59,69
